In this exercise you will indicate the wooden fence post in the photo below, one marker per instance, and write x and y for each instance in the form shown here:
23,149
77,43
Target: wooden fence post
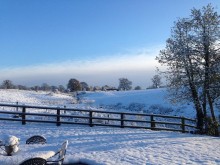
17,107
122,120
183,124
90,119
58,117
152,122
23,115
64,108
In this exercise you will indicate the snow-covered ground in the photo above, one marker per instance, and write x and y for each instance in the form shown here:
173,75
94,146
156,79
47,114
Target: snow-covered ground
147,101
109,146
143,101
35,98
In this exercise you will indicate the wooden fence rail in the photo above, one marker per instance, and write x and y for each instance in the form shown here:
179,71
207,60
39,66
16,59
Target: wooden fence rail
58,115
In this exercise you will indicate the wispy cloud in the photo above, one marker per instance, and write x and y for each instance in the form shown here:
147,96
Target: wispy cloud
138,66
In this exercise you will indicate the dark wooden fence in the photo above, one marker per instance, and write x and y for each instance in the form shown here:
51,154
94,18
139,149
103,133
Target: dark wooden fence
59,115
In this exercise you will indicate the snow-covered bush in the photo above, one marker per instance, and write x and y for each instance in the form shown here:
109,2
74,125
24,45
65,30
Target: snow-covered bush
11,144
10,140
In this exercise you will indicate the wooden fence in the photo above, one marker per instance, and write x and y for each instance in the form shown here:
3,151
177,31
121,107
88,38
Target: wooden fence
58,115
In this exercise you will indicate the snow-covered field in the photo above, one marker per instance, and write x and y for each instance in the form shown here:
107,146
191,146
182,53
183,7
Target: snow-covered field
143,101
35,98
147,101
110,146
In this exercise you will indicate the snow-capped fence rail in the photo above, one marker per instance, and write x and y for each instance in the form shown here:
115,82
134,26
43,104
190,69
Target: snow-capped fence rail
58,115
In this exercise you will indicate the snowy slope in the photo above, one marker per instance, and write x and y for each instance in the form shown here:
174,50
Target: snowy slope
35,98
147,101
142,101
110,146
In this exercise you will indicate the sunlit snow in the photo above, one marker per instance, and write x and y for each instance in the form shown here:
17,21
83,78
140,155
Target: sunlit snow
105,145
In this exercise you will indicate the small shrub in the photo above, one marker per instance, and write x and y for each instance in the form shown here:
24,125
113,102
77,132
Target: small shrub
211,127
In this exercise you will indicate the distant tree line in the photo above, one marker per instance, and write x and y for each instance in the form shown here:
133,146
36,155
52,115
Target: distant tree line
73,85
8,84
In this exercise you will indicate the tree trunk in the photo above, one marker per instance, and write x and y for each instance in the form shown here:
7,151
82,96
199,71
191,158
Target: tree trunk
214,120
195,96
204,104
199,112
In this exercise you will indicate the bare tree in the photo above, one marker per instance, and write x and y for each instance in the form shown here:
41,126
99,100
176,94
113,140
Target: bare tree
124,84
61,88
45,87
85,86
74,85
192,57
156,80
206,24
7,84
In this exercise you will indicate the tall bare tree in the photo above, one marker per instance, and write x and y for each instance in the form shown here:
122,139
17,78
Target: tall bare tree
206,24
192,57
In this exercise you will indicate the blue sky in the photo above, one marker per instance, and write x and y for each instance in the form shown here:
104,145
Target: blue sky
97,41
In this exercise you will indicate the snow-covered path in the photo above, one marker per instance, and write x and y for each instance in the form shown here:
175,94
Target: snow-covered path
110,146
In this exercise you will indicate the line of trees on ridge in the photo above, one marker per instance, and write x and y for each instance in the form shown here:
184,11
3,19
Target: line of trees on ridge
75,85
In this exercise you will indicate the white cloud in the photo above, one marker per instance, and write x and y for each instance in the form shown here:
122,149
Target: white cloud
137,66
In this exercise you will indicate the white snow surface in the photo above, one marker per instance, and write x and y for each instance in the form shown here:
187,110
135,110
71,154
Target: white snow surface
109,146
149,101
35,98
142,101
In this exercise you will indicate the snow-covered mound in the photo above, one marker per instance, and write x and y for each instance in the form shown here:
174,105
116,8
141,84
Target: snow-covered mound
35,98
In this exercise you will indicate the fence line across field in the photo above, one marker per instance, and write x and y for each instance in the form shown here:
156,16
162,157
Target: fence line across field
59,115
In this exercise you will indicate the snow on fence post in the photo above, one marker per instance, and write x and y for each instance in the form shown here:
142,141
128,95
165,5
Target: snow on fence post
58,116
152,122
23,116
183,124
122,120
90,119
